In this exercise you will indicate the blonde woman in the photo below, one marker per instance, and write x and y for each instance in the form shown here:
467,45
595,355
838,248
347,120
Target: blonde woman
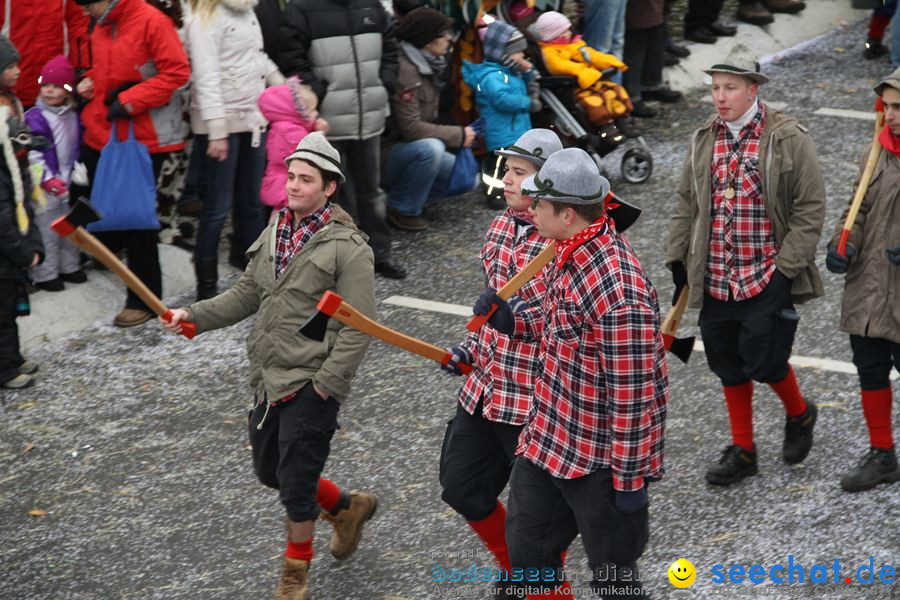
230,70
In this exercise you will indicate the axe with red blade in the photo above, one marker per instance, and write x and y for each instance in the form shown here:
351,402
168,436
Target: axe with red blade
331,305
71,227
680,347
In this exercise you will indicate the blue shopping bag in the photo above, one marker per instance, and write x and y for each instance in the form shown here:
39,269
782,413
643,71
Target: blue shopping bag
124,189
465,170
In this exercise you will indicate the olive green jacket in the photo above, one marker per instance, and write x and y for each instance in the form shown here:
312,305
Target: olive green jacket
282,360
794,193
871,305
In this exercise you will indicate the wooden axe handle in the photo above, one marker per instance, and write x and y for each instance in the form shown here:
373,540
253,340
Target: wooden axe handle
87,242
515,284
673,319
864,181
351,317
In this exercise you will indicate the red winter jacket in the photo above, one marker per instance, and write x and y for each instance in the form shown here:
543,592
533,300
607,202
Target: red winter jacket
42,29
136,43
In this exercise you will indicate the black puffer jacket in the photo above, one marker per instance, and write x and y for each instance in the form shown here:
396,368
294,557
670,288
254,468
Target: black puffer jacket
16,250
346,51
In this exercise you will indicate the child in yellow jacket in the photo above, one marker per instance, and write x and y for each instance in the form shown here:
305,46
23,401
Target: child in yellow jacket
567,54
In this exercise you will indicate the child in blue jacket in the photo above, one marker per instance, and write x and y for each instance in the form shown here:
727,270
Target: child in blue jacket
506,93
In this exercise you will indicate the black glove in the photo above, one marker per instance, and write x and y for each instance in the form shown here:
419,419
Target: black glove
458,355
117,111
502,320
893,254
836,263
629,502
679,278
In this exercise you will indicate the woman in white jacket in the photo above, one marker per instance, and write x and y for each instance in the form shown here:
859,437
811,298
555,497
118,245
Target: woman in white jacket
229,71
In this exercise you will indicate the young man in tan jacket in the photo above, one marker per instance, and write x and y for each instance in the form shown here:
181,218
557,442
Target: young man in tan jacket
870,312
312,247
750,210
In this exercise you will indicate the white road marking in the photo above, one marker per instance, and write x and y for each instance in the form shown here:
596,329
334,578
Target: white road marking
810,362
849,114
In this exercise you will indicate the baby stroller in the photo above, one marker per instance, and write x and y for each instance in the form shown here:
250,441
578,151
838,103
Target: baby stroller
563,113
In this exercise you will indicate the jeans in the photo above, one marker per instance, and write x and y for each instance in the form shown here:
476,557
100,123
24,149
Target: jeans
417,171
233,184
604,28
195,180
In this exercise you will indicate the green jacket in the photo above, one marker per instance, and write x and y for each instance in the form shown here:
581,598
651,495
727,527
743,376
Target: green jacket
795,204
282,360
872,288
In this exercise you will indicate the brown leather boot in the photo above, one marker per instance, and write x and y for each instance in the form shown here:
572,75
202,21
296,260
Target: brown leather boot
348,523
755,14
784,6
293,582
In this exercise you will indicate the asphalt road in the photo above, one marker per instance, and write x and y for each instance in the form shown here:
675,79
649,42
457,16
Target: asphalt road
133,449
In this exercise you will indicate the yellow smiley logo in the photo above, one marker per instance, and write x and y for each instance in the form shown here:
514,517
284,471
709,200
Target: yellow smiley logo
682,573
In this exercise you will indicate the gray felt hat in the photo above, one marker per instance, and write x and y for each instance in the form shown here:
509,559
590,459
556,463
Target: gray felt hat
892,80
535,145
569,176
316,149
740,61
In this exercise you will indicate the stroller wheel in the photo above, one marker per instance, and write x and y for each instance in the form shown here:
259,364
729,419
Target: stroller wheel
637,165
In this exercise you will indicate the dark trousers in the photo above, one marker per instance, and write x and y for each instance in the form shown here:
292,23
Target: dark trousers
701,13
10,356
874,358
361,195
476,460
140,245
644,53
546,513
291,447
750,339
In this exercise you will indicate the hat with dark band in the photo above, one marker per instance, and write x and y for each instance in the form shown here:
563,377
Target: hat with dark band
535,145
315,148
740,61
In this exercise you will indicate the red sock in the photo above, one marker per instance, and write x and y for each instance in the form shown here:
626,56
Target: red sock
300,550
877,26
739,399
789,392
492,530
877,409
328,494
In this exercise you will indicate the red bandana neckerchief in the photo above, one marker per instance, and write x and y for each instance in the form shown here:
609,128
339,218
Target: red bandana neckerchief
889,141
565,248
522,215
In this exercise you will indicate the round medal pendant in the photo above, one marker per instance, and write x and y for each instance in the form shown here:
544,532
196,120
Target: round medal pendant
729,192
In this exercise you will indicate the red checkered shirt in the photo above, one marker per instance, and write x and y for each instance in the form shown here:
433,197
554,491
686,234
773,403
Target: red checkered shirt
289,241
600,401
742,245
504,367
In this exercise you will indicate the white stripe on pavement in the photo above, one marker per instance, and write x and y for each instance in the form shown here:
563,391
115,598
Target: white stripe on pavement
849,114
810,362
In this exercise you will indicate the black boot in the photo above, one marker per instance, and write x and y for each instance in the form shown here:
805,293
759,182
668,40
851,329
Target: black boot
735,464
207,271
798,435
878,466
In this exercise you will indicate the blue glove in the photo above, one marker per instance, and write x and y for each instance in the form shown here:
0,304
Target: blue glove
502,320
836,263
893,254
629,502
458,355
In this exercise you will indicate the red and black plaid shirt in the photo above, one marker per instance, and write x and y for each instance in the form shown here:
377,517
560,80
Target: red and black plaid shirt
504,367
600,401
742,244
289,241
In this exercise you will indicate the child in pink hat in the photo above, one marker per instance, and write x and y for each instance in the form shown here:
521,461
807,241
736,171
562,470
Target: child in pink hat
54,118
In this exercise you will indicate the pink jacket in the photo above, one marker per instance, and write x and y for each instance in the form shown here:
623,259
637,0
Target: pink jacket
286,128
